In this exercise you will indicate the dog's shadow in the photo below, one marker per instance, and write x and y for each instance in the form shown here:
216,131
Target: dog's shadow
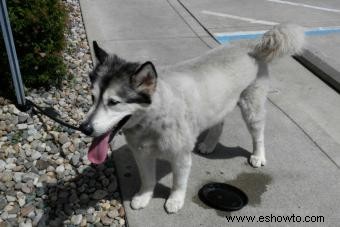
223,152
130,178
129,174
75,196
66,198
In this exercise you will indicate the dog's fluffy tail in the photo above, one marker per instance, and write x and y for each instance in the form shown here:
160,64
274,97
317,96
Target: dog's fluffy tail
282,40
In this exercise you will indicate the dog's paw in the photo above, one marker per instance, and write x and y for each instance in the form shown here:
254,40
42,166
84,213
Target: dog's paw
204,149
140,201
173,205
257,161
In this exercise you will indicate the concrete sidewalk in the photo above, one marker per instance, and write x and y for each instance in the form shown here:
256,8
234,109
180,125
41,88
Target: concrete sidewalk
322,17
302,133
322,58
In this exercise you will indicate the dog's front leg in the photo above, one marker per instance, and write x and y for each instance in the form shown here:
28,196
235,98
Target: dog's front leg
181,166
146,165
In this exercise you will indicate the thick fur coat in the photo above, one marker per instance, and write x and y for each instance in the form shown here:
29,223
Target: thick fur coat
179,102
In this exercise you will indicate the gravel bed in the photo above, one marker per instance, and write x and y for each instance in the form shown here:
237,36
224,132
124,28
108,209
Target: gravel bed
45,176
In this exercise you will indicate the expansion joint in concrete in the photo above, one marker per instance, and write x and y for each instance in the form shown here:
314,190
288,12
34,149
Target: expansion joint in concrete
304,132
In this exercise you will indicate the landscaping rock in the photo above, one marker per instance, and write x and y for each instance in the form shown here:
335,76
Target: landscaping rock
45,177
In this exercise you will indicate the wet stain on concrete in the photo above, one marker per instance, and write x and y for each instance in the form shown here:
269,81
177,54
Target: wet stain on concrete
253,184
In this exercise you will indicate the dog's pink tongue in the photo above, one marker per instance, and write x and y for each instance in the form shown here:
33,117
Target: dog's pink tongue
98,149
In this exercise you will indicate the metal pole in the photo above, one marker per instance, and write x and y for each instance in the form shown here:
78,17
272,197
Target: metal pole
12,55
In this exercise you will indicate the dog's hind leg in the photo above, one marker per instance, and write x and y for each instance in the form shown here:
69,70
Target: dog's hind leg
146,165
210,141
181,165
252,104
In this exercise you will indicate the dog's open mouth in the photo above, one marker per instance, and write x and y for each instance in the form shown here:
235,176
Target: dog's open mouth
100,145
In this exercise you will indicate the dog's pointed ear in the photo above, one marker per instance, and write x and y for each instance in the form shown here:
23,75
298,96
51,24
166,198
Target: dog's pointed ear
101,54
144,79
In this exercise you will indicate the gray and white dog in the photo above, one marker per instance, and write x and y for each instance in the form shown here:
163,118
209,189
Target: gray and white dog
165,110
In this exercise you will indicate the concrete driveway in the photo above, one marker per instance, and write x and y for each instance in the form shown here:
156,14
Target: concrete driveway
302,133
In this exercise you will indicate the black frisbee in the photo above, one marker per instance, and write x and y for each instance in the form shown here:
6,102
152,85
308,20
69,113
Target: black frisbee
223,196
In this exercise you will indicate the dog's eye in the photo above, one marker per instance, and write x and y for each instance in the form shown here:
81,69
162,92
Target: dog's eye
112,102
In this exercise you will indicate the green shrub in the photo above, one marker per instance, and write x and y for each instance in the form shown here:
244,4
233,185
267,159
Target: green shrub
38,28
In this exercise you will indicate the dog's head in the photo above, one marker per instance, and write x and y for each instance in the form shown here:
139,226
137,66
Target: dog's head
119,89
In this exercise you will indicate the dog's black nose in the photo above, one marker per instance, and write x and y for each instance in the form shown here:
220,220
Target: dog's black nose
86,128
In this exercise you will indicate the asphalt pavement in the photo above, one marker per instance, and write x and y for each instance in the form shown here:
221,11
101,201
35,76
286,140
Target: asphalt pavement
301,177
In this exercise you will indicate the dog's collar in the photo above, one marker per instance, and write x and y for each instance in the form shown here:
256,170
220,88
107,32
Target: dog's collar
119,126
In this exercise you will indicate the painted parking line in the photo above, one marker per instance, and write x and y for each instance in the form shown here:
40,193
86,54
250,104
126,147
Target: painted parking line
233,36
305,5
247,19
